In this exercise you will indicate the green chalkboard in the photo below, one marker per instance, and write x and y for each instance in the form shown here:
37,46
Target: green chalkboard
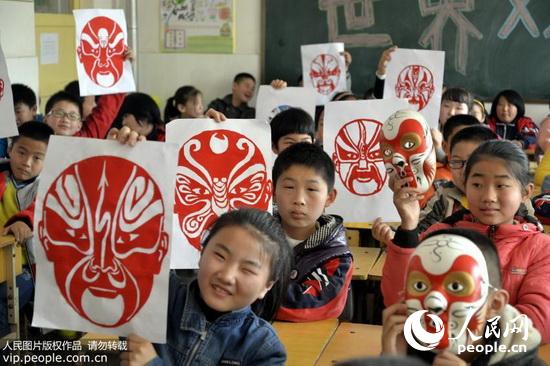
489,45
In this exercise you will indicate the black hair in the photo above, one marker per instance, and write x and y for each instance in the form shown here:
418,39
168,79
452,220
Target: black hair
23,94
319,110
513,156
459,95
73,88
182,96
293,120
269,233
299,80
34,130
243,75
63,96
478,134
344,95
513,97
456,121
144,109
485,245
308,155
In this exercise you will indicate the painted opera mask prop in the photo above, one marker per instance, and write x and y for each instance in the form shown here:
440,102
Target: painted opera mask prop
102,227
407,148
448,277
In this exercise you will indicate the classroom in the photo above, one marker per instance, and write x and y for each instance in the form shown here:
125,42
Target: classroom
274,182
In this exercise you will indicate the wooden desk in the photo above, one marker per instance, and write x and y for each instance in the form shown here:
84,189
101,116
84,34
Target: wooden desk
376,271
363,260
352,340
304,342
544,353
546,229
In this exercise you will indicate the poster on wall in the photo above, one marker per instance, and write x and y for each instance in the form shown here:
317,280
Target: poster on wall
103,227
8,127
352,131
271,102
324,69
417,75
197,26
101,41
205,189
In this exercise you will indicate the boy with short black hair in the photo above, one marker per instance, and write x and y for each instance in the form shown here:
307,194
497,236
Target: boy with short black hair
24,103
303,178
473,305
235,105
64,115
289,127
18,187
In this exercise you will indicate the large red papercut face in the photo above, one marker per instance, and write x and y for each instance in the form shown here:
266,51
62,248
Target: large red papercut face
357,157
218,171
415,83
447,276
1,88
407,148
101,50
325,73
102,226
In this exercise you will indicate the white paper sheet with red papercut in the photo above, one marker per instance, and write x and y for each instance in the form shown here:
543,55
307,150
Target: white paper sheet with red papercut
271,102
8,127
324,69
351,133
417,75
103,225
101,40
221,166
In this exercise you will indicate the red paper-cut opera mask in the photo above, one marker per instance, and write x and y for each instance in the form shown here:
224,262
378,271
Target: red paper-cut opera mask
102,226
101,48
325,73
357,157
218,171
415,83
407,148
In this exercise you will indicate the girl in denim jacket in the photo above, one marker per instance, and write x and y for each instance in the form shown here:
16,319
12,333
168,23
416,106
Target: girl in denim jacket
211,320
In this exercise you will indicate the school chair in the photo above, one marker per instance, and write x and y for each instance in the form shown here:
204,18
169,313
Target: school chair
10,267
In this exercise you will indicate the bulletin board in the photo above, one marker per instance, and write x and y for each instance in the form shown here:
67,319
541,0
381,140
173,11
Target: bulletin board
197,26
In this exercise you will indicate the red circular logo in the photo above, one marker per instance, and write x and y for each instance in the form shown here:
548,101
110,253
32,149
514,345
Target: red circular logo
415,83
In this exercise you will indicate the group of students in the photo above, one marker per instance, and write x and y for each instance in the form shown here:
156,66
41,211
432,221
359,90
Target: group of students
295,265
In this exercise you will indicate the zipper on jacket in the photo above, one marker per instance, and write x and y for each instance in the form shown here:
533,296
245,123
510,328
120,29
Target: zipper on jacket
196,348
491,232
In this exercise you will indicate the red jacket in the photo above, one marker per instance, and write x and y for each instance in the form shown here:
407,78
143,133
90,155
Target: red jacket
98,123
524,254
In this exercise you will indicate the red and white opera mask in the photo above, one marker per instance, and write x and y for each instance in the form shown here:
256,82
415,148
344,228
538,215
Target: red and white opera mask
357,157
407,148
1,88
325,73
415,83
205,189
102,227
448,277
101,49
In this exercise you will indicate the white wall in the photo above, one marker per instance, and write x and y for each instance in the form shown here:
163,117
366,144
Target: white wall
160,74
18,43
